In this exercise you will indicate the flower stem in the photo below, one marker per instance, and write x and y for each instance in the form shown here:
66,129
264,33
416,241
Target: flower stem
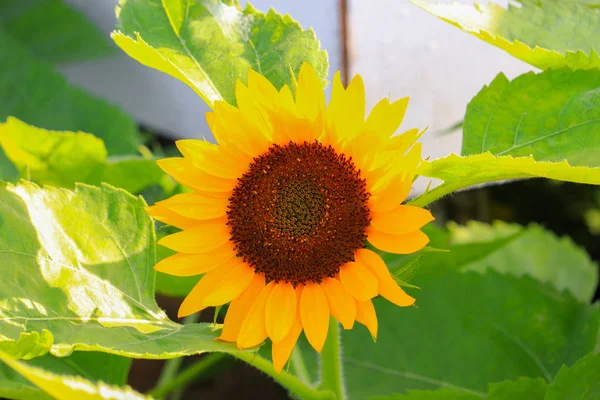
332,377
300,366
187,375
285,379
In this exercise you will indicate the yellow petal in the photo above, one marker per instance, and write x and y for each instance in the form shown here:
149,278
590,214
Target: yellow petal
231,286
281,351
386,117
258,83
407,243
280,311
247,135
390,196
193,302
164,215
212,159
310,97
387,286
184,172
365,314
341,303
239,308
200,206
314,315
254,330
196,264
402,219
205,237
358,281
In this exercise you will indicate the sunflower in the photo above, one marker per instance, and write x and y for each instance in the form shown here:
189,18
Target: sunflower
282,209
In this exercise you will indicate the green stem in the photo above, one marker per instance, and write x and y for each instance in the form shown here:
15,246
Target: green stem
300,366
285,379
188,375
332,377
432,195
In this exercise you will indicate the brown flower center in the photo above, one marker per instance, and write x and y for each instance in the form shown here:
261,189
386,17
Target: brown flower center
299,213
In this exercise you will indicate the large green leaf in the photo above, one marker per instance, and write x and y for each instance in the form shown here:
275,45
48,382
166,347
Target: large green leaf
522,388
63,158
463,172
544,33
32,91
580,382
210,44
535,252
64,387
53,31
78,276
92,366
553,115
467,331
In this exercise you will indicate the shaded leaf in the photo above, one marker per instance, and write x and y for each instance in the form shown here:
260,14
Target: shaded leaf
463,172
63,158
53,31
535,252
78,273
70,387
210,44
554,115
579,382
464,320
544,33
34,92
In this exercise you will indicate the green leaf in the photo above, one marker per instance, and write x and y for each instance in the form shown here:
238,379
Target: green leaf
210,44
53,31
463,172
70,387
544,33
34,92
580,382
522,388
535,252
553,115
63,158
467,331
79,276
92,366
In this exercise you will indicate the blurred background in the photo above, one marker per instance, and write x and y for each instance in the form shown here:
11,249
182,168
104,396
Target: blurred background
397,48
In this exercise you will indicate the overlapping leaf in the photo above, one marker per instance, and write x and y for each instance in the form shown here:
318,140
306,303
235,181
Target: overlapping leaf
92,366
458,172
64,387
32,91
210,44
78,276
53,31
64,158
579,382
544,33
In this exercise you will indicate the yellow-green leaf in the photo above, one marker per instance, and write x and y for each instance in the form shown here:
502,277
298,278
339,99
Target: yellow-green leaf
459,172
210,44
544,33
71,387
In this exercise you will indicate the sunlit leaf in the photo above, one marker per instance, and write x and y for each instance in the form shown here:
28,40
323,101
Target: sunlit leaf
70,387
553,115
462,172
579,382
78,273
63,158
34,92
544,33
53,31
210,44
92,366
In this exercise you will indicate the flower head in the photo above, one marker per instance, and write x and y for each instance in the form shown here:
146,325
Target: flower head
283,206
